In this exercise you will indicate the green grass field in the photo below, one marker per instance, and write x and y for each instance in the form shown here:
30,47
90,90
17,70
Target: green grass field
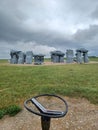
18,83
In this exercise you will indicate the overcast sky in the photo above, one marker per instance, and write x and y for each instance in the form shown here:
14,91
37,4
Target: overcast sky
42,26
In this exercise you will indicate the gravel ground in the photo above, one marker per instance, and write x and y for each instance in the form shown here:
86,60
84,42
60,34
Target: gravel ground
81,116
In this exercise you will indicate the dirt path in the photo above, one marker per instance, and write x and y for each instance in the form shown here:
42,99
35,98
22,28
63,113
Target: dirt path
81,116
46,63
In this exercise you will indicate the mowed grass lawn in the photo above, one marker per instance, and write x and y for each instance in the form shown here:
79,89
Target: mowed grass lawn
17,83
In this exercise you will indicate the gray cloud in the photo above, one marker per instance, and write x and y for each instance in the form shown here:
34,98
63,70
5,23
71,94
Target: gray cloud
88,38
48,25
94,14
88,34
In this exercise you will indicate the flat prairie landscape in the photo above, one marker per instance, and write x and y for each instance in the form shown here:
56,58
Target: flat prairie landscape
78,83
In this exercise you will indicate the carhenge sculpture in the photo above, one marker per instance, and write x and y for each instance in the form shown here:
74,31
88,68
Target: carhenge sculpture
82,55
19,57
57,56
38,59
69,56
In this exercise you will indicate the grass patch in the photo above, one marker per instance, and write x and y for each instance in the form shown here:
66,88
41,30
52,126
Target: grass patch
10,110
93,58
2,113
17,83
3,60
